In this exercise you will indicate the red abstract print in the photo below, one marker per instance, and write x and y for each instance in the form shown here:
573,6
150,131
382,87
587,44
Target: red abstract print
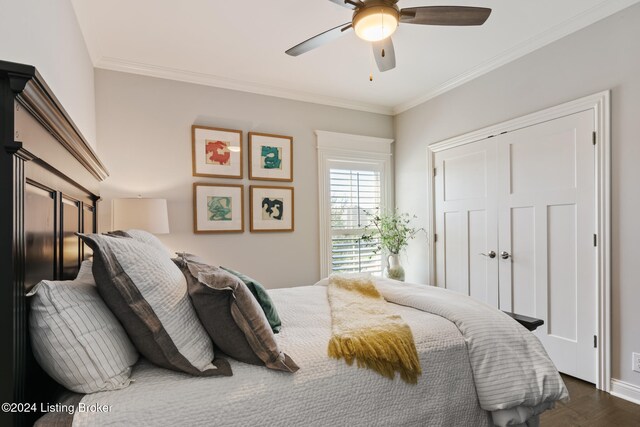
218,152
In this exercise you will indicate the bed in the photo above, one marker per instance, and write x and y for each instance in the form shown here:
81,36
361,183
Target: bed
323,392
51,191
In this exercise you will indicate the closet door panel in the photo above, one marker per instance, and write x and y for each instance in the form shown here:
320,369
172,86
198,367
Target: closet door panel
561,272
523,273
546,200
466,220
455,242
464,176
548,164
479,280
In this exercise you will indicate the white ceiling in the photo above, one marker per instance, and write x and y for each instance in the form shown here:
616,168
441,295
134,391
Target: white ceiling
240,45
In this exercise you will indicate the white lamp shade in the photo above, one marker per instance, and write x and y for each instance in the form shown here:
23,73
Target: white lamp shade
143,214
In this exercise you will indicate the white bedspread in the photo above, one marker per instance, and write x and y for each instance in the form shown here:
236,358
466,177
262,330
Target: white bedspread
511,369
324,392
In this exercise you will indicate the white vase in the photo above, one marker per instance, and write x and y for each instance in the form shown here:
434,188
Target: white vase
394,270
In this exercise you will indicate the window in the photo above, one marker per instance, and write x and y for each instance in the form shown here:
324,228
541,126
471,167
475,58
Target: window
355,181
354,198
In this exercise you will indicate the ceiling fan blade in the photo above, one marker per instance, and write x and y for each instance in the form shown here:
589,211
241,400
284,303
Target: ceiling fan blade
385,54
445,15
348,4
319,40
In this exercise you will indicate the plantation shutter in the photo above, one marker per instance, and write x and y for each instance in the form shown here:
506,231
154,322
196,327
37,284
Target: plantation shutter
355,196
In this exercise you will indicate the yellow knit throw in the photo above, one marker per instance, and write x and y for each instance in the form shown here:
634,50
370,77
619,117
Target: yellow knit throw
365,329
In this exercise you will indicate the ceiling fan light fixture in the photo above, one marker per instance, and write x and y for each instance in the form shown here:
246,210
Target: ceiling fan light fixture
375,23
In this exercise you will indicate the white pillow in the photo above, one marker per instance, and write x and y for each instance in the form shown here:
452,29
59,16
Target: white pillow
75,337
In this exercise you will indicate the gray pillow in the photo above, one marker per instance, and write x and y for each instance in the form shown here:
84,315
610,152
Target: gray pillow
76,339
150,239
231,315
262,296
148,294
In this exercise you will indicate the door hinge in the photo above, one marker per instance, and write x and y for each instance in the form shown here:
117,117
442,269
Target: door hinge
594,138
595,341
435,238
595,240
435,171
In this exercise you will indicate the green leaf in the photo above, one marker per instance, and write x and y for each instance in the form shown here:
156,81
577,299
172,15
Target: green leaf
393,229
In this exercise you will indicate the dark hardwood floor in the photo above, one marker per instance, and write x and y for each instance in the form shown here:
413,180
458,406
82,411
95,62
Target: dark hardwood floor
591,407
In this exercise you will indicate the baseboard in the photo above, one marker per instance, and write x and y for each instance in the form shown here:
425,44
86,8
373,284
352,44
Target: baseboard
625,391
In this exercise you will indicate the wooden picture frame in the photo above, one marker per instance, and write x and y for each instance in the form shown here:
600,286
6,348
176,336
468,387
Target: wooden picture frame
216,152
271,209
270,157
218,208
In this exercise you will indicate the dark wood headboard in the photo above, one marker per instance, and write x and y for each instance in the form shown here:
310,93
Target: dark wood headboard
49,180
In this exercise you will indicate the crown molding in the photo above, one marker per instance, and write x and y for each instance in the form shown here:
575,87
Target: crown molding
604,9
582,20
132,67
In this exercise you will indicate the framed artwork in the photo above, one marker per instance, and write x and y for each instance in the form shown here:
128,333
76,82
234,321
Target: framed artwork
218,208
216,152
270,157
271,208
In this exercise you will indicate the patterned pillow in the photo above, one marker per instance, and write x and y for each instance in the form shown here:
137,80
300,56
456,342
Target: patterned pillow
232,316
76,339
148,294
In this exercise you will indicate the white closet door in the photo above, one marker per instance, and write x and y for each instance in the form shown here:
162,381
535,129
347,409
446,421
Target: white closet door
546,202
466,220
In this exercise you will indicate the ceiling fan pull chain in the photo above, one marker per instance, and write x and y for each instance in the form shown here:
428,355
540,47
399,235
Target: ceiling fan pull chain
371,69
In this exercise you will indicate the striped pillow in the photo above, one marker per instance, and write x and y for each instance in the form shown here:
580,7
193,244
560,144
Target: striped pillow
75,337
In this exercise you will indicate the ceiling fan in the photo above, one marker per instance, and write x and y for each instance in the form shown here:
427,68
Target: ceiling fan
377,20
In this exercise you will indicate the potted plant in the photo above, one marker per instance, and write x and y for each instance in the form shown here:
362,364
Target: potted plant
392,232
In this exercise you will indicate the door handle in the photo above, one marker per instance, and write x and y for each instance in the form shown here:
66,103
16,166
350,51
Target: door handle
491,255
504,255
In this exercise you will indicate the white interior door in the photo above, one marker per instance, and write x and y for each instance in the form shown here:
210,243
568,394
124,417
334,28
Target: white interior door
466,220
546,204
528,193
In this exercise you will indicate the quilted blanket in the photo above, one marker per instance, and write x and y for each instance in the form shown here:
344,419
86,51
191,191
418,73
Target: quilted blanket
510,367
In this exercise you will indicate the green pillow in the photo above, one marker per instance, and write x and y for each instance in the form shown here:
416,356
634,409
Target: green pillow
262,297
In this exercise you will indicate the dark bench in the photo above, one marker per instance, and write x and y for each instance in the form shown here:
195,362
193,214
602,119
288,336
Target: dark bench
531,323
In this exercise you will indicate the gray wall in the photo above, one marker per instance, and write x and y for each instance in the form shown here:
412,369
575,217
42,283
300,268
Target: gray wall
46,34
602,56
144,128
